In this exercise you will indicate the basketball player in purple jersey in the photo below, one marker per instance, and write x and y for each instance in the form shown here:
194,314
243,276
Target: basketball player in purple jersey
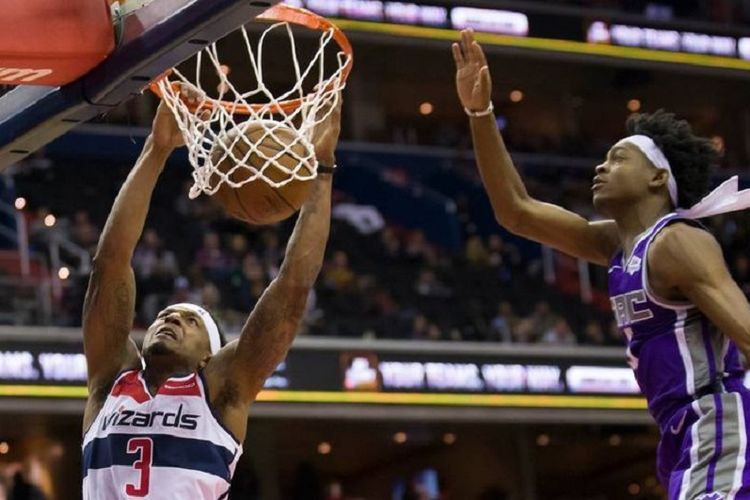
683,316
167,422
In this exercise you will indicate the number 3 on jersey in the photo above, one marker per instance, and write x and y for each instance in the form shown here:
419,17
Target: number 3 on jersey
144,447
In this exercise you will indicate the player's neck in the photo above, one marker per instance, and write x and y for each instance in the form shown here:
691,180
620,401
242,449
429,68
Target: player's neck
636,219
159,369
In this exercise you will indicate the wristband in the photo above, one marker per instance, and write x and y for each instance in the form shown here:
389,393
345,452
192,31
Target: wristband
325,169
478,114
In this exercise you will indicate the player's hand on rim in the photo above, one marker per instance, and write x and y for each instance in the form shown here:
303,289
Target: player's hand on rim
473,80
165,131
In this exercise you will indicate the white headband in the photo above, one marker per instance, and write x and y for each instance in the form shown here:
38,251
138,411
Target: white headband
649,148
725,198
213,330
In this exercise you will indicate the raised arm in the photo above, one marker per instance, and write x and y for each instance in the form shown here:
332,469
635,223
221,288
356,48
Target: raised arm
238,372
686,262
514,208
110,299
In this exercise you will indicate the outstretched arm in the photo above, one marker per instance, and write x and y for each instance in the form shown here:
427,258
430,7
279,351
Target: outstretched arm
237,373
110,299
514,208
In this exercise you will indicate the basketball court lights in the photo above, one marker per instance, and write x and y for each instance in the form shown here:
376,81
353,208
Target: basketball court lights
324,448
63,273
615,440
20,203
516,95
634,105
426,108
50,220
399,438
542,440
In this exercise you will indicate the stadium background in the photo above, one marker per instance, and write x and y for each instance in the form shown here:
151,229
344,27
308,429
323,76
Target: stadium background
440,357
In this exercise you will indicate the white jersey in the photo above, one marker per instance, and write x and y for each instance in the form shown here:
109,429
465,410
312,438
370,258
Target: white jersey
167,446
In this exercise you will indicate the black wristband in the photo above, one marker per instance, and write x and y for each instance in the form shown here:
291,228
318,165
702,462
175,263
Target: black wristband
324,169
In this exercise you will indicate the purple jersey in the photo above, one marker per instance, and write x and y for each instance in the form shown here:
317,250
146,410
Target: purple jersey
677,354
692,379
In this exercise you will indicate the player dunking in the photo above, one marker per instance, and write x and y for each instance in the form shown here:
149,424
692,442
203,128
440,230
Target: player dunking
682,314
168,422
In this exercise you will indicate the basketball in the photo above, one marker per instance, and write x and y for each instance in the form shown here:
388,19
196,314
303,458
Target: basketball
257,202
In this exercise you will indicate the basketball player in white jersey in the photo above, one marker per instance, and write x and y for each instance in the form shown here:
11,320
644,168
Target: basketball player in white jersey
168,421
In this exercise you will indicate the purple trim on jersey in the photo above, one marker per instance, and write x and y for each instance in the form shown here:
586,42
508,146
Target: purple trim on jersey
717,444
674,477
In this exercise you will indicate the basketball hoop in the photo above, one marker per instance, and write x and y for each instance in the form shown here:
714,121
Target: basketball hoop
231,112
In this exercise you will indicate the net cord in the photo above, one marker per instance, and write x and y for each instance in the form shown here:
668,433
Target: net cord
206,127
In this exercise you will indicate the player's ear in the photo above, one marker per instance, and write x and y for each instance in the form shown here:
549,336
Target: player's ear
203,362
659,179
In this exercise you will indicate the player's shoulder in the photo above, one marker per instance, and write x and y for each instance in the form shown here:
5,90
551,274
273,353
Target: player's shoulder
683,248
682,236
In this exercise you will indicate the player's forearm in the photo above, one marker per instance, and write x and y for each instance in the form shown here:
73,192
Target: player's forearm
504,186
306,247
128,216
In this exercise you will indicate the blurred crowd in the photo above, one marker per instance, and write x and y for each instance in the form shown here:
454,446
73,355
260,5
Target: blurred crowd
391,283
388,283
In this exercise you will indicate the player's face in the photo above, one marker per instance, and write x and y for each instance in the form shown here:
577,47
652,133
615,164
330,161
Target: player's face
625,177
179,332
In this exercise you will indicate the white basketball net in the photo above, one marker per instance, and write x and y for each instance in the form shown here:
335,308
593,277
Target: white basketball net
205,129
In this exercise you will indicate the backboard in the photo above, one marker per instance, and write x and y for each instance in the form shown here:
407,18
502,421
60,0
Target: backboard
154,36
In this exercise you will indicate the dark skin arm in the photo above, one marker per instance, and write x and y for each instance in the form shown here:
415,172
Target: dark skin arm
237,373
109,306
514,209
686,263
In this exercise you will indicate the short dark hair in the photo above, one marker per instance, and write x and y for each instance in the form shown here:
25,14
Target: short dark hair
690,156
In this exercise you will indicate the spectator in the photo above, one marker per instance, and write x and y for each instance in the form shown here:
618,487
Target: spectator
156,270
391,244
434,332
237,249
246,284
272,254
419,327
594,334
418,250
337,275
501,326
83,232
183,292
212,260
476,254
151,257
559,333
541,320
502,257
428,285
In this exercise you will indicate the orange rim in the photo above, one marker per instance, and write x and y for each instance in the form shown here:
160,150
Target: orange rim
293,15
